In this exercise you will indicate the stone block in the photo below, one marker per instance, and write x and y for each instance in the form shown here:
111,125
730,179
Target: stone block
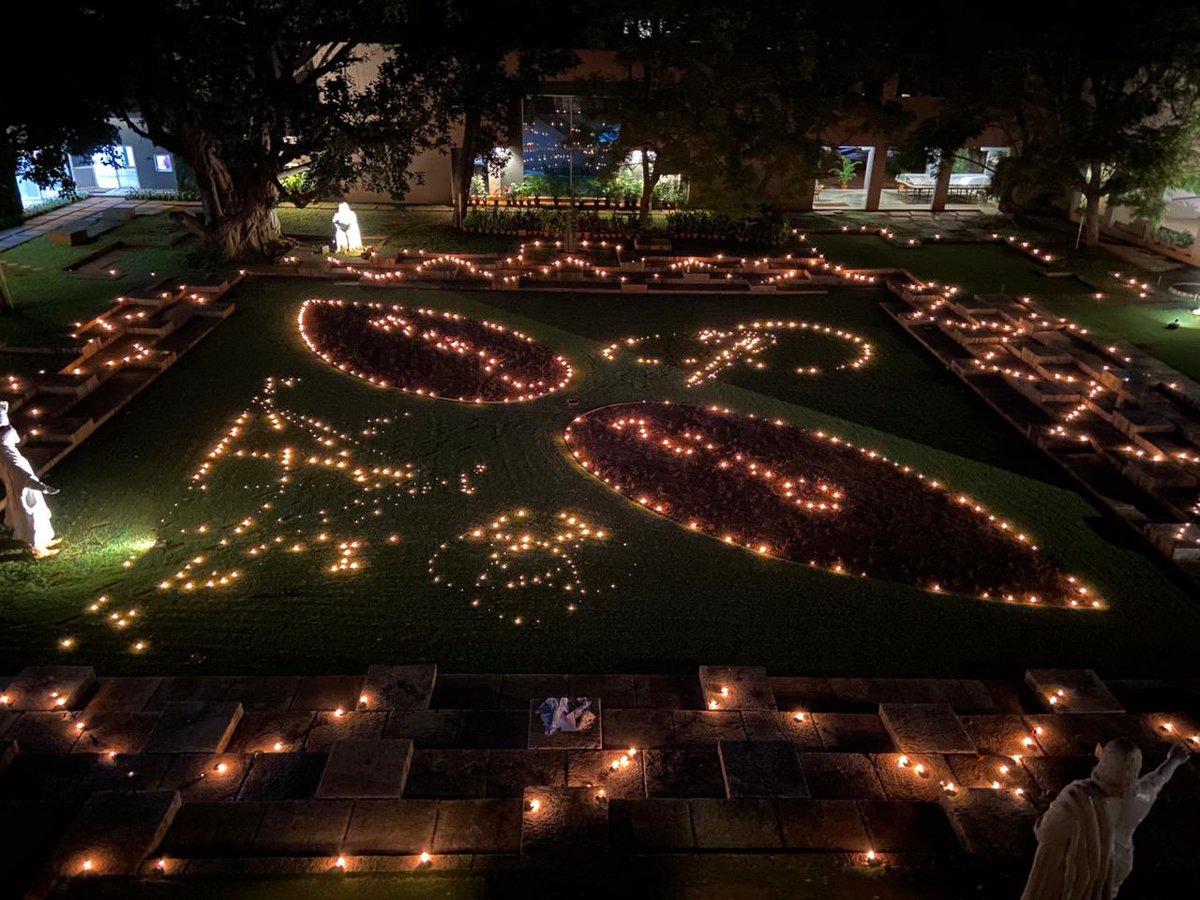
122,695
903,827
801,694
115,732
426,728
509,772
194,688
761,769
1000,735
683,773
50,687
203,777
649,826
114,832
617,773
840,776
1078,734
391,827
567,823
667,692
45,732
852,732
328,692
769,725
213,829
590,738
986,771
399,687
303,828
328,728
194,727
864,694
925,728
742,824
1071,691
263,693
737,687
934,690
993,825
466,692
704,727
824,825
612,690
283,776
366,769
921,779
124,772
447,773
638,728
270,732
519,691
71,236
500,729
1053,773
478,826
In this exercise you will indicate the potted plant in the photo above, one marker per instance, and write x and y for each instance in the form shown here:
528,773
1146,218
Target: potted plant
845,170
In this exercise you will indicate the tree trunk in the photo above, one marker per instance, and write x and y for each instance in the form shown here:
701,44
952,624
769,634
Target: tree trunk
1091,220
465,165
650,177
7,308
12,210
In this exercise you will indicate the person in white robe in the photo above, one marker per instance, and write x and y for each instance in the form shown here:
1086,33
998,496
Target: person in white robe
25,509
1085,838
347,238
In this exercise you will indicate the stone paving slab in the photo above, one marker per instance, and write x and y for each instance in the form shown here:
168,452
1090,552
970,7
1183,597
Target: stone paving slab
328,728
114,832
426,728
49,778
563,823
925,728
399,687
190,688
366,769
7,718
828,825
45,732
852,732
204,777
447,773
1082,691
921,778
504,729
213,829
282,776
625,728
902,827
50,687
737,687
194,727
263,693
619,774
509,772
995,772
612,690
1000,735
270,732
478,826
648,826
329,692
949,691
303,827
590,738
520,691
705,727
683,773
840,776
797,728
761,769
865,694
1053,773
122,695
667,692
391,826
742,824
466,692
124,772
801,694
1078,735
992,824
119,732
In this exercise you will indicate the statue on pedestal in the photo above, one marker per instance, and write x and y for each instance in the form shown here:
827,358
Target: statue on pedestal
347,238
1085,838
25,509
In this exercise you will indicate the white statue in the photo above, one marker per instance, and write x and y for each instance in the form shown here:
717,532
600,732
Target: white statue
25,509
1085,838
346,235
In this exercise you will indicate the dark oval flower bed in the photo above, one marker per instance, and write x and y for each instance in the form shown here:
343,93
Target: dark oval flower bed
814,499
431,353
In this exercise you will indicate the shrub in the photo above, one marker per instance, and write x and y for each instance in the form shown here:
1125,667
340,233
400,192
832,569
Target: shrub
1173,238
46,206
147,194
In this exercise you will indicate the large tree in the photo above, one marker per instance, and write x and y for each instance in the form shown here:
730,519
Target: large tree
244,90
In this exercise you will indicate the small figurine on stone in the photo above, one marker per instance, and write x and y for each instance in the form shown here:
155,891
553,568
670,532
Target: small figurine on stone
1085,838
25,509
347,238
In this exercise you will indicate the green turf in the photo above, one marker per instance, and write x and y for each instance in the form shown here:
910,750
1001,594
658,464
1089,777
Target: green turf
412,227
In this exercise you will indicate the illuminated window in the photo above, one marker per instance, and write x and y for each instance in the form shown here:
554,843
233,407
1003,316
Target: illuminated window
162,162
